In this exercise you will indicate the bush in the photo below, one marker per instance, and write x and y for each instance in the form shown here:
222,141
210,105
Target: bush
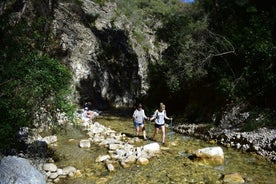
28,84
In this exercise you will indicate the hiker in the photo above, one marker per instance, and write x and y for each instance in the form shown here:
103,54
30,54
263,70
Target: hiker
138,120
160,116
87,106
88,114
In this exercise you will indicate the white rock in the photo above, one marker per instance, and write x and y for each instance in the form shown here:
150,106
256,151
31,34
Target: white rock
85,143
53,175
210,155
69,169
102,158
210,151
152,148
110,167
50,139
142,161
59,171
50,167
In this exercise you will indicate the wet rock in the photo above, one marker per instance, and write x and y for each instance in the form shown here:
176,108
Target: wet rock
110,167
233,178
212,155
102,158
85,144
124,164
130,159
142,161
69,169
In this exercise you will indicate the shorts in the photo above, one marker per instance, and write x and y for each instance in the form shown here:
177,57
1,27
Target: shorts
138,124
158,126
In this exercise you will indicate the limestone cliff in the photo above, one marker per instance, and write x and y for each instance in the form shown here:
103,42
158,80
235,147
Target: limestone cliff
106,50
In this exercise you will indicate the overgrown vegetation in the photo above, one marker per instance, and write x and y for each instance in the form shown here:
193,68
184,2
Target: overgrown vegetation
30,78
219,53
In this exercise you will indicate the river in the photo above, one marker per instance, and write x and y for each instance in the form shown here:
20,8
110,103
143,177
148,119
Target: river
171,166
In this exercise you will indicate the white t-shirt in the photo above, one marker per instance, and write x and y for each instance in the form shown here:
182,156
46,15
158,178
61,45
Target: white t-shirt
139,116
160,117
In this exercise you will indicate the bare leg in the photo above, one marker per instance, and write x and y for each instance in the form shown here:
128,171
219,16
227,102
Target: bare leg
144,132
163,133
137,131
155,133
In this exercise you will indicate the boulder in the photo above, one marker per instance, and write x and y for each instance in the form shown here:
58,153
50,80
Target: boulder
211,155
19,171
152,148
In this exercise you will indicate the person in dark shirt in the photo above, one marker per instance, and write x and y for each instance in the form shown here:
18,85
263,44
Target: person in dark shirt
87,106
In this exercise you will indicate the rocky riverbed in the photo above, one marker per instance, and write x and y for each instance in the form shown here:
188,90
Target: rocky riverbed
261,141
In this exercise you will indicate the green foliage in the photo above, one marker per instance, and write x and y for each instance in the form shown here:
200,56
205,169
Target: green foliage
28,84
250,26
191,47
30,78
227,46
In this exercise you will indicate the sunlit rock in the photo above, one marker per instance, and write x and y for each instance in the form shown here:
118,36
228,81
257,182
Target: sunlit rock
19,171
130,159
69,169
85,144
50,167
59,171
152,148
212,155
142,161
114,146
53,175
102,158
124,164
77,173
233,178
110,167
50,139
56,180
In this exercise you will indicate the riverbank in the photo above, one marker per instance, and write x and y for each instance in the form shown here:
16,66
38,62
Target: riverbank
261,142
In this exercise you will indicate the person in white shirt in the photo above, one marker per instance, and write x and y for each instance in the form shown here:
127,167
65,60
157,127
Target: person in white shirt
160,115
138,120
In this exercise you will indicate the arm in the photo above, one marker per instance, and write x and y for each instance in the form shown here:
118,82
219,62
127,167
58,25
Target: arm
166,117
153,116
144,115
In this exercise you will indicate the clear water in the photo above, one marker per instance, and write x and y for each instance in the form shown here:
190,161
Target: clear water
172,165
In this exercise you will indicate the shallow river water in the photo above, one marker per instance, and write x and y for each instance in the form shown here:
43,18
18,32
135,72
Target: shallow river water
172,165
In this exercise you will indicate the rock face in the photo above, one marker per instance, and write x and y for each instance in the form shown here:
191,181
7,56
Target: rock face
108,61
19,171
